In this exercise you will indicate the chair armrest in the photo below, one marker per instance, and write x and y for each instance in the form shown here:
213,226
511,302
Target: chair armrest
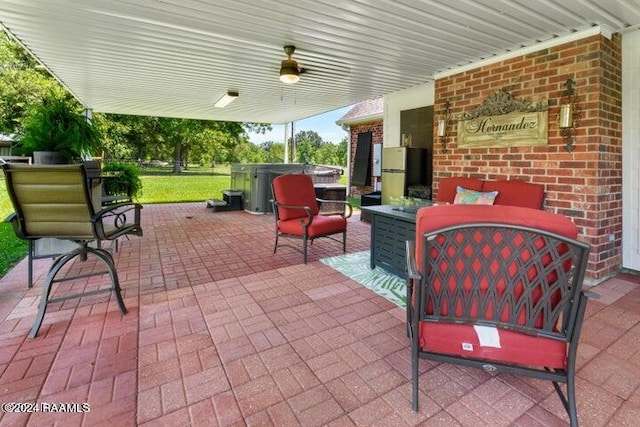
412,269
307,210
13,219
119,213
348,209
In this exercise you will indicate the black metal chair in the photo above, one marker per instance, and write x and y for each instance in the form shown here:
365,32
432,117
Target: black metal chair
55,201
498,288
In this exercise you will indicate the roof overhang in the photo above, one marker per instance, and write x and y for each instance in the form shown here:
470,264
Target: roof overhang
177,57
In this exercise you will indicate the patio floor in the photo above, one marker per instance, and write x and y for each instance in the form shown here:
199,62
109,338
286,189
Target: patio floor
221,331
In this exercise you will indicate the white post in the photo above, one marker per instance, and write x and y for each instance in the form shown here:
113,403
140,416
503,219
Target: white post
293,143
349,163
286,144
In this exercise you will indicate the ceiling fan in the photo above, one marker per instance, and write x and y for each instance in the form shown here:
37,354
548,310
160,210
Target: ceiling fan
289,69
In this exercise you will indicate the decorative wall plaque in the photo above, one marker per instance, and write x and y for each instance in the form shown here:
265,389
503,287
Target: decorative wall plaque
502,121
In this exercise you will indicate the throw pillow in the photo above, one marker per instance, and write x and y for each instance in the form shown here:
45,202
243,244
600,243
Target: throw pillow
471,197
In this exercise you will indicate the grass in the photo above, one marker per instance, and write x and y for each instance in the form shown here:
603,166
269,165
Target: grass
158,186
174,189
12,249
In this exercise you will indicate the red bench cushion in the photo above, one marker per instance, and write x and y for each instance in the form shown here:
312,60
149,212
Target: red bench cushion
516,193
447,187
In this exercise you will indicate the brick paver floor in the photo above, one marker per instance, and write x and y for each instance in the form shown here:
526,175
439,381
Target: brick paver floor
221,331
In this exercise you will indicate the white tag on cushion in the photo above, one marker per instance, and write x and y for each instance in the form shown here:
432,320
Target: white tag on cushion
488,336
470,197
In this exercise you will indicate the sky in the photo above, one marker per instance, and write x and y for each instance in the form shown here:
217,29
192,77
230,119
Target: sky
323,124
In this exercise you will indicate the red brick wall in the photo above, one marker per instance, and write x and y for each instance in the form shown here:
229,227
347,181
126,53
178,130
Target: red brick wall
585,184
376,130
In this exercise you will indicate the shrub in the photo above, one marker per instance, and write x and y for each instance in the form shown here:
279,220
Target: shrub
127,183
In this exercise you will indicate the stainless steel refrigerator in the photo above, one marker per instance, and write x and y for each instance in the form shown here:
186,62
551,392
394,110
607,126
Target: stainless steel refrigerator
401,168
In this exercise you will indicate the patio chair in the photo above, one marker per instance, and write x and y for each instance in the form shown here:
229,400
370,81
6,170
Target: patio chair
55,201
497,288
297,213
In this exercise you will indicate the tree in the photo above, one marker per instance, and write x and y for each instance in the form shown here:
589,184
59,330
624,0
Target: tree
310,136
326,154
274,151
246,152
342,152
22,85
305,152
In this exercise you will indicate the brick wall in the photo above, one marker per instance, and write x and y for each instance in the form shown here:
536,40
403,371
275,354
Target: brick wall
585,184
376,129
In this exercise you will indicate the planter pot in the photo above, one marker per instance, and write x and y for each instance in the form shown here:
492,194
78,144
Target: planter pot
92,167
48,158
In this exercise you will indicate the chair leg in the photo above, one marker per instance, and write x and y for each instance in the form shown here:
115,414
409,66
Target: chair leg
82,253
107,258
275,245
571,400
414,370
46,290
344,242
304,248
30,263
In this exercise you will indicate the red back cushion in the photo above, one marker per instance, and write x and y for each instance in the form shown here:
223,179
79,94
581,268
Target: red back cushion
294,189
435,217
460,260
447,187
516,193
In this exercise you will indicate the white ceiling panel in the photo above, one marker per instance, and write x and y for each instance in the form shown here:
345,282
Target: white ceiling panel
177,57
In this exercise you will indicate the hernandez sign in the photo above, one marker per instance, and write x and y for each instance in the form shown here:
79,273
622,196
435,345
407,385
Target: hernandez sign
519,129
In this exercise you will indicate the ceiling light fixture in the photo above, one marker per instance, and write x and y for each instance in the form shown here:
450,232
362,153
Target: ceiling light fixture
289,70
226,99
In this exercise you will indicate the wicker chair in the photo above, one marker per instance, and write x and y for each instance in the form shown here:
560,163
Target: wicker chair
55,201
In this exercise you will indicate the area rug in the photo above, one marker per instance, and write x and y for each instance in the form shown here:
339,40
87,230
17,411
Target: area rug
356,267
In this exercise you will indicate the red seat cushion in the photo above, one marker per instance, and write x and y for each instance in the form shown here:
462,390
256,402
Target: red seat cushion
296,190
320,226
516,193
447,187
516,347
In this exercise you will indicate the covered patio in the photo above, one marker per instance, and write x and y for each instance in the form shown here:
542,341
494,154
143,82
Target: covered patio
221,331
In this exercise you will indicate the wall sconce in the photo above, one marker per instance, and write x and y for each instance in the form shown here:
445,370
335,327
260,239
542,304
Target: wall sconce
568,115
442,126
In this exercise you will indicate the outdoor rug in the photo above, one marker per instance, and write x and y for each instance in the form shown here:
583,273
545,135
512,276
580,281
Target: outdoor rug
356,267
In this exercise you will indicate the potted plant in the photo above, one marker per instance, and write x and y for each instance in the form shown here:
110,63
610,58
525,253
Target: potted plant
58,125
126,182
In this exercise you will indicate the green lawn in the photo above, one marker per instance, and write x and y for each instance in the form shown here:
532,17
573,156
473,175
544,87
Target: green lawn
198,185
12,249
190,188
